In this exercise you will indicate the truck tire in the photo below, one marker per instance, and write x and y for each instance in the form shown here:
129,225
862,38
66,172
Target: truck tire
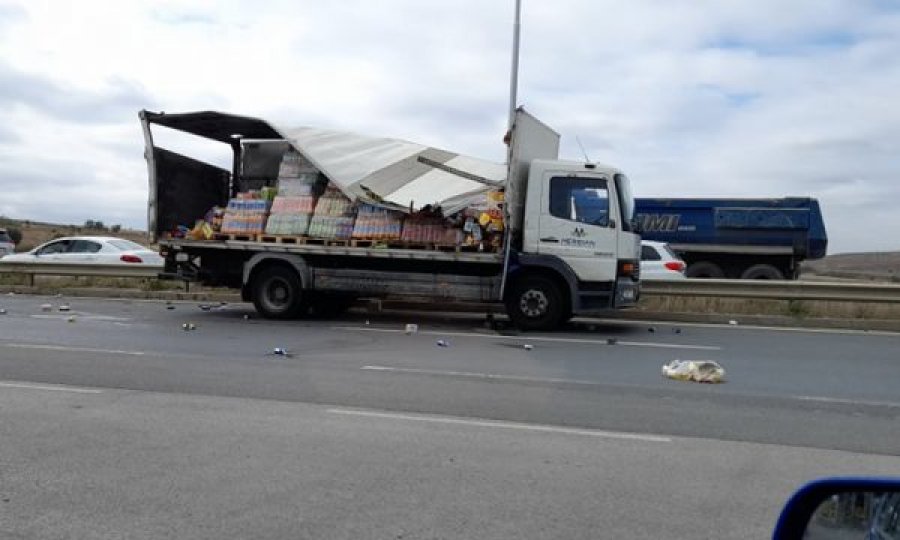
536,303
277,293
705,269
762,271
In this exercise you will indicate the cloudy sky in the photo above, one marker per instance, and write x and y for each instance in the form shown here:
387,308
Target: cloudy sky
750,99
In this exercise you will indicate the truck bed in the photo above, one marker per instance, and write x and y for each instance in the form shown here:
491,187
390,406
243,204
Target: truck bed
313,249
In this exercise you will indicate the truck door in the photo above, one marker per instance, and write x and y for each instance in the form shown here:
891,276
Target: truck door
578,224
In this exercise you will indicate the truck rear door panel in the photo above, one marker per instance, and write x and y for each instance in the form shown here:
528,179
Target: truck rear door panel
186,189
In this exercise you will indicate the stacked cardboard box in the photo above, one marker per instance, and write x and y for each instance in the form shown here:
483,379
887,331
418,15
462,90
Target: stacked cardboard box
334,216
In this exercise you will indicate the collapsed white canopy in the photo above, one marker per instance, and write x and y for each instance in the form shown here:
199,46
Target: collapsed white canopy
374,169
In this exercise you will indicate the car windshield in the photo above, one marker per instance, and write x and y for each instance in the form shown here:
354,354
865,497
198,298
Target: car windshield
127,245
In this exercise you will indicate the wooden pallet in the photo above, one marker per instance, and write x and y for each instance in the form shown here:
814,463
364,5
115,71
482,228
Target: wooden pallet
302,240
235,237
281,239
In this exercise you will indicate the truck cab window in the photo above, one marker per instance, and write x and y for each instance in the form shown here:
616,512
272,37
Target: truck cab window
585,200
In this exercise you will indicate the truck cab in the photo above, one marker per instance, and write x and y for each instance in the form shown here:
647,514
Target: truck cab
578,221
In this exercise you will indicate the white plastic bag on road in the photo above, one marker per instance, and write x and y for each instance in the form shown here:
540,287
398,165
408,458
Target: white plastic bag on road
702,371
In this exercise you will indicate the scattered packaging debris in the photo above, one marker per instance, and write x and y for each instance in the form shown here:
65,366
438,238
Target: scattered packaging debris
528,347
411,329
443,343
71,318
64,307
2,311
701,371
187,327
280,351
46,307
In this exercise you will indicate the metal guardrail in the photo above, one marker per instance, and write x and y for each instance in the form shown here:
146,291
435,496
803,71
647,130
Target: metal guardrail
722,288
776,290
90,270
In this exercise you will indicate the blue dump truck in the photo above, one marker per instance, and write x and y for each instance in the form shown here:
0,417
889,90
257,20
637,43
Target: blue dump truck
737,238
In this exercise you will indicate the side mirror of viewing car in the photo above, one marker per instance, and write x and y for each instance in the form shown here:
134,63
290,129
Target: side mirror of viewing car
837,508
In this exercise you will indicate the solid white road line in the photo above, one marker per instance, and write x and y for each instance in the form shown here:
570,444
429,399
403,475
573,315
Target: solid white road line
503,425
476,375
81,316
54,388
69,349
845,401
838,331
535,338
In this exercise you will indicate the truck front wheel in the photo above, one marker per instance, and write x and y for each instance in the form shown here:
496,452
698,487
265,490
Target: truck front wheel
536,303
277,293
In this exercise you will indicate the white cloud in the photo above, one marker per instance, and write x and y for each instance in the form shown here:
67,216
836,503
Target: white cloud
752,99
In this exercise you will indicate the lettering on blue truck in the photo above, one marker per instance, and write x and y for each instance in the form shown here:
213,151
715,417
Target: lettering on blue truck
659,222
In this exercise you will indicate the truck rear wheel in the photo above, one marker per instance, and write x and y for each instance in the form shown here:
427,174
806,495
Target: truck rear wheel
705,269
277,293
536,303
762,271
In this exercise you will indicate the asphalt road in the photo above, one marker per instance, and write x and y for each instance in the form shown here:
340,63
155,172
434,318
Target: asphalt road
121,421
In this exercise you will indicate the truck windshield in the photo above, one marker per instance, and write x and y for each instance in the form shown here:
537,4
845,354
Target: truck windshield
626,200
582,199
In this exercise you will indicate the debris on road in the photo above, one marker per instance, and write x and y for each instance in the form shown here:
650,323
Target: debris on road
170,307
367,322
528,347
71,318
2,311
411,329
280,351
732,322
64,307
443,343
701,371
187,327
651,329
246,316
677,330
46,307
611,341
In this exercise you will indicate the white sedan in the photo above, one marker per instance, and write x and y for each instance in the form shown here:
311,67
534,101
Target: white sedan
659,262
88,250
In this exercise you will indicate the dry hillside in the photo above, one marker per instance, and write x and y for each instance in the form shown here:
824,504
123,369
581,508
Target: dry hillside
878,265
35,233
